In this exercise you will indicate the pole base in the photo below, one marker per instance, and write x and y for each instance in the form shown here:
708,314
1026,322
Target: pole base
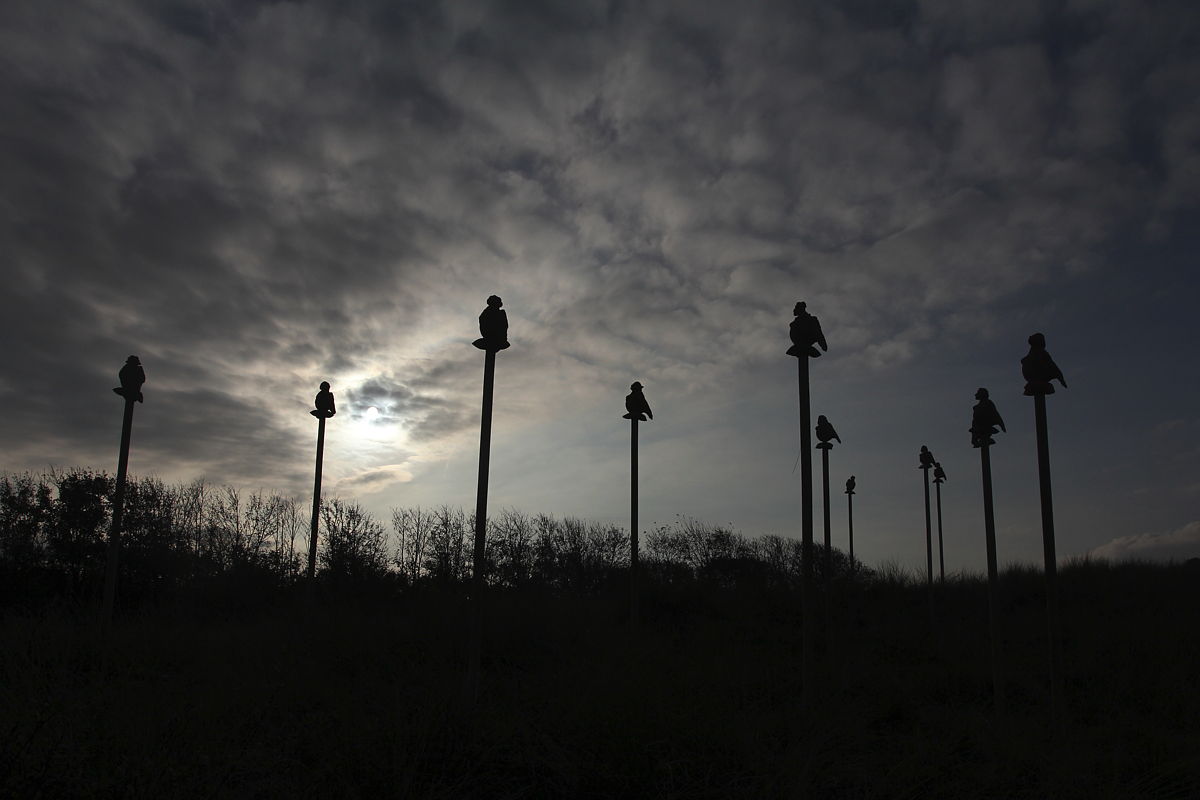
798,351
487,344
638,417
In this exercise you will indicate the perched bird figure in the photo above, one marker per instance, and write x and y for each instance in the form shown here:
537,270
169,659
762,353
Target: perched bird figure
325,407
850,485
825,431
1039,368
939,474
636,405
132,376
805,331
493,326
985,420
927,461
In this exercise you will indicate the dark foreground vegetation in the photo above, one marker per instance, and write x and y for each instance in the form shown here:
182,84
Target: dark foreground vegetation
224,676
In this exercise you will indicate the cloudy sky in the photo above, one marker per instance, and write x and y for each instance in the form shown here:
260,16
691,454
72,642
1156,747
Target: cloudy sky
257,197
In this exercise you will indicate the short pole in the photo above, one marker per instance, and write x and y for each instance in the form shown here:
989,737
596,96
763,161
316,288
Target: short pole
989,526
825,448
114,534
850,524
941,552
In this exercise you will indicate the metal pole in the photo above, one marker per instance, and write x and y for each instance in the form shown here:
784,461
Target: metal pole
989,526
633,521
941,551
929,550
825,510
1043,448
114,534
316,508
806,540
481,498
850,523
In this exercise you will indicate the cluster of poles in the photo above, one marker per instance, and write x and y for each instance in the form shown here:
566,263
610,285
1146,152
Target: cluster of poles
806,335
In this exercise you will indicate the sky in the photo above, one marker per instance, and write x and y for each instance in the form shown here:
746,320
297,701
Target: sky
256,197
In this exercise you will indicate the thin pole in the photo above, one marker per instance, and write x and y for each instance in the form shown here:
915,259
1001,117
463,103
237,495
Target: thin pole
481,498
989,527
929,549
806,534
316,509
633,521
114,534
825,510
850,523
1043,448
941,551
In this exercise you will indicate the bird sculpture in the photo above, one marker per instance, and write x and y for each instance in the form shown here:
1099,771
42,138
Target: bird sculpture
939,474
636,405
805,331
1039,368
985,420
132,376
850,485
927,461
493,326
825,431
325,407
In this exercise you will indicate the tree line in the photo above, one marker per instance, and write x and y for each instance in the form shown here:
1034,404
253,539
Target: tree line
54,528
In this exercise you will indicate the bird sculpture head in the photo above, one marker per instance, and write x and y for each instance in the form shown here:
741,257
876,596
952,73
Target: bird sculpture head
635,386
494,301
981,394
821,419
132,360
799,309
324,386
1037,341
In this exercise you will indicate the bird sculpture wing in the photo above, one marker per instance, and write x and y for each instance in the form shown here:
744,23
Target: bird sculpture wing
818,335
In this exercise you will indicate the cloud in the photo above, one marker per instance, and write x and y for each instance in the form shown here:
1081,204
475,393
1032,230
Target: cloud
1177,545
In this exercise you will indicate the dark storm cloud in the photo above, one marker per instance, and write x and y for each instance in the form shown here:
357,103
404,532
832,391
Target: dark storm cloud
256,197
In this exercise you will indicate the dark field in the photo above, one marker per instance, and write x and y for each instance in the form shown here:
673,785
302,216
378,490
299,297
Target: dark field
360,697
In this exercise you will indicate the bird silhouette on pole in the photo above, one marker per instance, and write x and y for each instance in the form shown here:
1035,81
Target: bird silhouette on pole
805,332
1039,369
493,327
850,484
636,410
636,405
324,409
985,423
132,376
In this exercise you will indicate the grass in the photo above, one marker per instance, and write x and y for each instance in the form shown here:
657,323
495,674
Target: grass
360,697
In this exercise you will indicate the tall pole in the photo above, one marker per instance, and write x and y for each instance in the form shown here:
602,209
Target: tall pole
114,534
1043,448
937,482
806,536
928,540
316,507
989,527
478,581
633,521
